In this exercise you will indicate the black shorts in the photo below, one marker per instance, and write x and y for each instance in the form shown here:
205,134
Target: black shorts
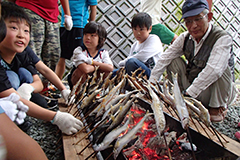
70,40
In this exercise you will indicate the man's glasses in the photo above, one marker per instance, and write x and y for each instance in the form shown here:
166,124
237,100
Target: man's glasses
189,22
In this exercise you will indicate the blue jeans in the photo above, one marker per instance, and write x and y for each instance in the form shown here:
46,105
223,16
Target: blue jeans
133,64
16,79
24,76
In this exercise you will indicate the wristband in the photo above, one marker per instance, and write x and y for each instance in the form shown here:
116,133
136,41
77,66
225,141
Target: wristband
53,119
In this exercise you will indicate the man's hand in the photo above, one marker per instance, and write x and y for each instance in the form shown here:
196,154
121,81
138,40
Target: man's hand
185,94
14,108
67,123
68,23
25,91
65,94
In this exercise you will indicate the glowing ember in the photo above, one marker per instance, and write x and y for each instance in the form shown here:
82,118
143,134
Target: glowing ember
148,144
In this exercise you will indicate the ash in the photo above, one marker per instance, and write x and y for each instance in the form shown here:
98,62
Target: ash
47,134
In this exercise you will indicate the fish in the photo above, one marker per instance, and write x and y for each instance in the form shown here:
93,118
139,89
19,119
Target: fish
113,92
72,94
141,74
204,114
120,74
115,99
125,139
106,81
82,89
96,86
170,98
192,107
180,103
134,74
136,84
121,115
157,107
111,136
90,98
94,77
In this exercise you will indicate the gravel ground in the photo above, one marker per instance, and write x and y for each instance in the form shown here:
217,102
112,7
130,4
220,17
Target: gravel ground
48,136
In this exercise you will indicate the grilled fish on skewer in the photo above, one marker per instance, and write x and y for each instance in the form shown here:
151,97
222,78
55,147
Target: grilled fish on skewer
121,115
180,103
113,109
157,107
123,141
119,75
167,94
106,81
192,107
136,84
204,114
141,74
135,72
113,92
94,77
72,94
115,99
108,98
96,85
110,137
90,99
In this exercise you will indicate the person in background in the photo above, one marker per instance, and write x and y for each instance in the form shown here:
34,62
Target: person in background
146,50
91,55
16,40
69,40
153,8
45,39
206,75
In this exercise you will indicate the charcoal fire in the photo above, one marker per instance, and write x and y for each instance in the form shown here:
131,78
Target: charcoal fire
132,124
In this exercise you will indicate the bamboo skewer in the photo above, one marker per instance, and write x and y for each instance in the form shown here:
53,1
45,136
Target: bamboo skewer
90,143
88,133
191,143
92,154
109,156
169,153
220,135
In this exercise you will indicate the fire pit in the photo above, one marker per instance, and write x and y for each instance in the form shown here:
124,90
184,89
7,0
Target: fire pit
206,148
132,125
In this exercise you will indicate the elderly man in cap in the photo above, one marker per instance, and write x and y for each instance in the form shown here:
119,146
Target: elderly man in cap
206,73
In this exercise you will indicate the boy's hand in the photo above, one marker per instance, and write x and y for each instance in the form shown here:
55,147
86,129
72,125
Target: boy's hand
65,93
14,108
67,123
68,23
25,91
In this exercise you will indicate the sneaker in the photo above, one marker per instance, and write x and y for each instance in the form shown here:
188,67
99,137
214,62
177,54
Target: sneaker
52,104
25,126
217,114
237,135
